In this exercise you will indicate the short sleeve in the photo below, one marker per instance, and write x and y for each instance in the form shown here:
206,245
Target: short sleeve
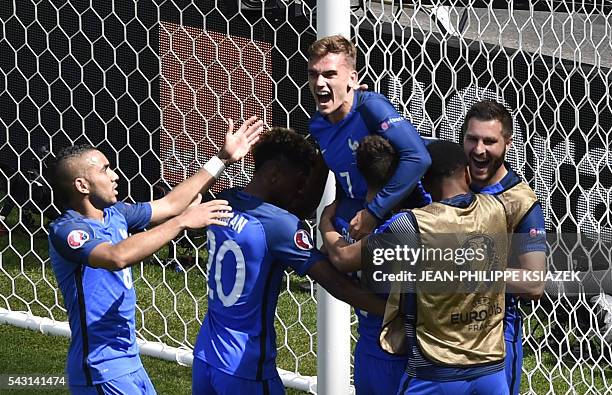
530,234
137,216
400,229
74,241
291,244
381,246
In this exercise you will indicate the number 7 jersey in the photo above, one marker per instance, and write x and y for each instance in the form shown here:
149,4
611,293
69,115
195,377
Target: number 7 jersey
246,264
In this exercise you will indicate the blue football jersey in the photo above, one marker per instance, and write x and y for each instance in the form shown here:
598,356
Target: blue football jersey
247,259
345,211
100,303
532,233
369,325
372,113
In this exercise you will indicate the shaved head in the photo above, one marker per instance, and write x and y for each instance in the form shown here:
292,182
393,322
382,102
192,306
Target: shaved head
70,163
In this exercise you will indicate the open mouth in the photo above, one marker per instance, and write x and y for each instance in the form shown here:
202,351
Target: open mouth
480,163
323,97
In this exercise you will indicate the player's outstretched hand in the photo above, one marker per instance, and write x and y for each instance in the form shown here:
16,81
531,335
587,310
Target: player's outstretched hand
215,212
362,224
238,143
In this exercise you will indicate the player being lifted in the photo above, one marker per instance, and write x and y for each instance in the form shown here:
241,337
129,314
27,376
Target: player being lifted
91,253
487,132
344,117
235,350
444,356
376,161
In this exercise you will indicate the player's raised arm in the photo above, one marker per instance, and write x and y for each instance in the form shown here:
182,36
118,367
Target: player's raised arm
141,245
237,145
379,114
530,262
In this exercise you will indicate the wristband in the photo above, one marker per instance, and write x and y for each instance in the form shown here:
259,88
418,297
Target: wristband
214,166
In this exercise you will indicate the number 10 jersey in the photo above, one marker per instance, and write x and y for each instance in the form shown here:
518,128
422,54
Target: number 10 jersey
246,264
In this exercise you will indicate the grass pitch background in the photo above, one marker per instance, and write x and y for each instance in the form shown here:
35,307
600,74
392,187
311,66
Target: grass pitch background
172,304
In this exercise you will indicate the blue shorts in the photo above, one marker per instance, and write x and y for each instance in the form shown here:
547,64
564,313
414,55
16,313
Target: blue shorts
376,376
490,384
137,383
514,363
206,380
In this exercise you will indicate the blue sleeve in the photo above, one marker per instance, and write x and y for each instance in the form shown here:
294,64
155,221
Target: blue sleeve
398,231
403,226
74,241
386,227
291,244
137,216
530,234
381,118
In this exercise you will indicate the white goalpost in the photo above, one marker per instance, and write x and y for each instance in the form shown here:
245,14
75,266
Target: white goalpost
151,83
333,315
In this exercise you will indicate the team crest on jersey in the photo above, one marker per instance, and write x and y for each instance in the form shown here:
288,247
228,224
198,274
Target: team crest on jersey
302,240
77,238
353,145
387,123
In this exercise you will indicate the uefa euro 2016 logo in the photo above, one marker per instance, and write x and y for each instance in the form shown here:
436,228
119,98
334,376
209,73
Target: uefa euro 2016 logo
479,317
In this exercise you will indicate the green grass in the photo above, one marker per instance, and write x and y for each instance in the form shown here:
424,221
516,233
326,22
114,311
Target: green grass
28,352
172,304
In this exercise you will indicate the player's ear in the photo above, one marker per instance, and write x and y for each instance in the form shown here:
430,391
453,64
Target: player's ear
81,185
352,83
468,177
508,142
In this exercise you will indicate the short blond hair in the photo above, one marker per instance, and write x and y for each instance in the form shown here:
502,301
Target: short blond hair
334,44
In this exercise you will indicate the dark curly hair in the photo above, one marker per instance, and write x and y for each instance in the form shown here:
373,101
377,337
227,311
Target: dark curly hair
376,160
58,173
282,144
446,158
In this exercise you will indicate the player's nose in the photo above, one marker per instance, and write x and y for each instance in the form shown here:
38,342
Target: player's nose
479,148
114,176
320,81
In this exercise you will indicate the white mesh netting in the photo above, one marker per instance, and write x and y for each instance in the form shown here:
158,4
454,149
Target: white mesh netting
152,82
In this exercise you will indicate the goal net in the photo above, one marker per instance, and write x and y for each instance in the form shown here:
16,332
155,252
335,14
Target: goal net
152,84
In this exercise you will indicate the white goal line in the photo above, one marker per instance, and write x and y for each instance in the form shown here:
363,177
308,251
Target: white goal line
182,356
